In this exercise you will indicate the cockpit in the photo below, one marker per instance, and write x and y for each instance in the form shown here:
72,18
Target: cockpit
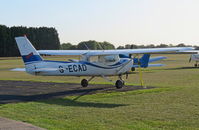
104,59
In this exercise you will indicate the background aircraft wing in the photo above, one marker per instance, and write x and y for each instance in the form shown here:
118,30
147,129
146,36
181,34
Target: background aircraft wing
153,59
155,65
113,52
144,61
18,69
149,65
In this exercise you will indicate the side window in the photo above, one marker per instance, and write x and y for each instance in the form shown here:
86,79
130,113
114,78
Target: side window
104,59
93,59
108,59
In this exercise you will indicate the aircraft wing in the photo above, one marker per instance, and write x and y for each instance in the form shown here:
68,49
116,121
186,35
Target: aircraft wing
113,52
63,52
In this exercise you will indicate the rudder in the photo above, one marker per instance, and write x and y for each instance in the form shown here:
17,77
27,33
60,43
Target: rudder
143,61
27,51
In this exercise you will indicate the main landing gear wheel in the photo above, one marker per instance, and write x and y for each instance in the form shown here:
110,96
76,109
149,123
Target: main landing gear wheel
119,84
195,65
84,83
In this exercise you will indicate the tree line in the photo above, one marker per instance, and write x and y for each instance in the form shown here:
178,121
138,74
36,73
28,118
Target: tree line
134,46
94,45
41,38
88,45
45,38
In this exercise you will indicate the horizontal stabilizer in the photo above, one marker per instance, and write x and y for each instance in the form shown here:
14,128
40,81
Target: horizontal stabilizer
18,69
46,70
36,70
149,65
157,58
155,65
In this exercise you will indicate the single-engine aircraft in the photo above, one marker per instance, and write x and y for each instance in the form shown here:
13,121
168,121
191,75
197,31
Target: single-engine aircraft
93,63
195,57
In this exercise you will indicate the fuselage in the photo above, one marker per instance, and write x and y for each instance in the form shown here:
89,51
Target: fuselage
80,68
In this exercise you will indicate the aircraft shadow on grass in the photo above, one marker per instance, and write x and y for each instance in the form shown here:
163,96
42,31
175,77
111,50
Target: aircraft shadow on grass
56,99
180,68
75,103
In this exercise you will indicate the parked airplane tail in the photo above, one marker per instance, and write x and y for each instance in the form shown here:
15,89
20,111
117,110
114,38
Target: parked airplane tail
27,51
143,61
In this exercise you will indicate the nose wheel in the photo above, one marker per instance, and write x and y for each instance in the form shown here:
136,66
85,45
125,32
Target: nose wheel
119,84
84,83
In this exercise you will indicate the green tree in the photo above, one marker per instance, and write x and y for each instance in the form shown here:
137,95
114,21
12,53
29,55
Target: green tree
41,38
106,45
120,47
181,45
66,46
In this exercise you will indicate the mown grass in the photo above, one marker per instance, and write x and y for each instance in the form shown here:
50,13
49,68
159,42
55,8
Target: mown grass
173,104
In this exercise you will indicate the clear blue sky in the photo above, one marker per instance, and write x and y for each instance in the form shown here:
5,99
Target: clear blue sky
117,21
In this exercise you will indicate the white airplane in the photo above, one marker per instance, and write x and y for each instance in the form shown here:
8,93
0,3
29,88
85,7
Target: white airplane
195,57
92,63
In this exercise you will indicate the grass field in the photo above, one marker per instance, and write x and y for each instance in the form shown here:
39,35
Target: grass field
173,104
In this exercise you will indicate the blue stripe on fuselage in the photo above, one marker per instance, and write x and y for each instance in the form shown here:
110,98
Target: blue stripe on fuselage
31,58
116,65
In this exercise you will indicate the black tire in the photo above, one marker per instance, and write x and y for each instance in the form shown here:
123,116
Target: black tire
119,84
84,83
195,65
133,69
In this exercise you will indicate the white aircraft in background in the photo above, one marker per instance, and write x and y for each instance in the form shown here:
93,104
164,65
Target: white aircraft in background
195,57
92,63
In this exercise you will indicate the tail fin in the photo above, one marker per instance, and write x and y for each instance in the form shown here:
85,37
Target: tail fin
27,51
144,61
